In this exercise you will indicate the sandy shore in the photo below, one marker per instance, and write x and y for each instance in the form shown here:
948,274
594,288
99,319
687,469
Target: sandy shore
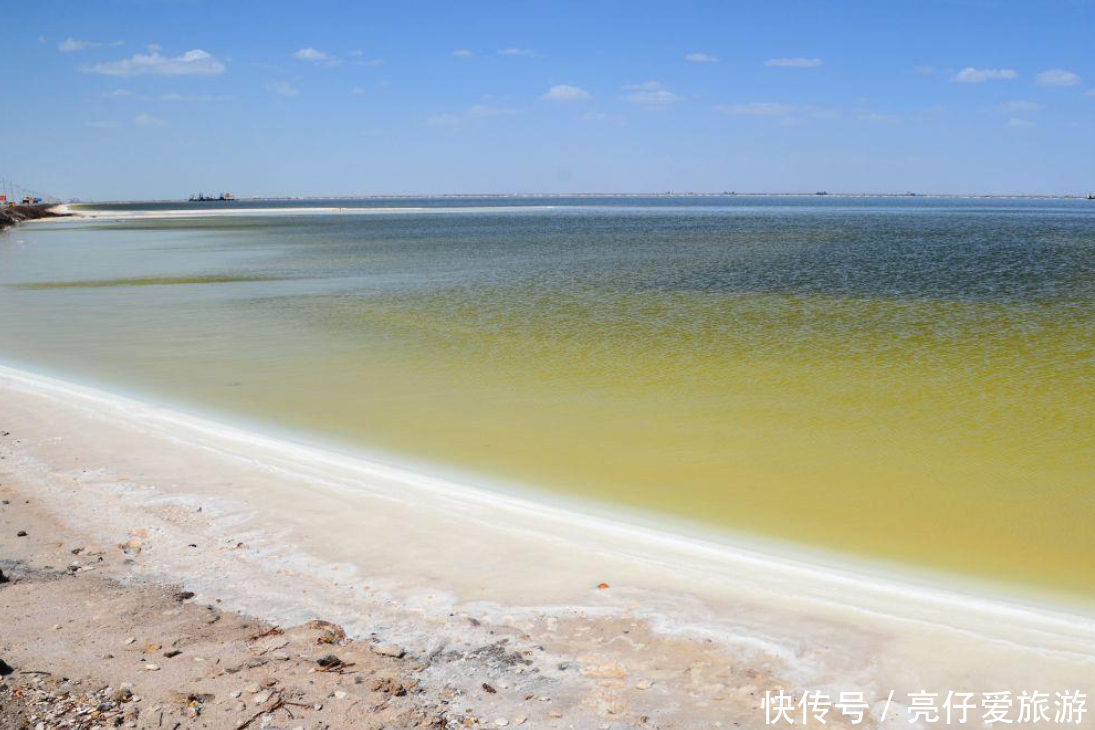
571,619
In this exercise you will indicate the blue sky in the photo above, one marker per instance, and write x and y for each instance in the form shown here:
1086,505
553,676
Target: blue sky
161,98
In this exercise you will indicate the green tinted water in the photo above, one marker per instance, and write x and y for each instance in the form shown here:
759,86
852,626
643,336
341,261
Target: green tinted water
907,380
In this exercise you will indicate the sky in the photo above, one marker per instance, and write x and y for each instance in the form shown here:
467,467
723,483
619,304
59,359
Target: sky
149,99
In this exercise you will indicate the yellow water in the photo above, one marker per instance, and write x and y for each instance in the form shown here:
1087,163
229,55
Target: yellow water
935,412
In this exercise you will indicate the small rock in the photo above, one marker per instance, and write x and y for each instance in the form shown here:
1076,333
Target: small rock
21,533
340,695
184,596
261,697
644,684
130,640
602,586
122,694
151,648
389,650
329,661
329,633
488,689
253,688
520,720
132,546
234,694
152,667
3,578
5,668
501,722
172,653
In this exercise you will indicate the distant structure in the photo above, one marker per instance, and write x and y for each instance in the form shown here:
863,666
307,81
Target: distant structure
203,198
12,194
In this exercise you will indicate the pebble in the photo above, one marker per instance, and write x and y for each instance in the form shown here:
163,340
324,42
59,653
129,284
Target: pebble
234,694
389,650
644,684
130,640
253,688
21,533
261,697
340,695
520,720
152,667
501,722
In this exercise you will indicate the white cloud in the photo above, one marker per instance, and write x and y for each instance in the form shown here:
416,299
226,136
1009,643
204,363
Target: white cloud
1016,123
188,99
282,88
153,48
970,75
566,92
1019,107
446,120
877,118
196,62
71,45
116,94
313,56
526,52
472,113
147,120
593,116
1058,77
757,109
650,94
479,111
462,53
794,62
701,58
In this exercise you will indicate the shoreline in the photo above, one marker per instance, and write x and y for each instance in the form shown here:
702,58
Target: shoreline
376,547
13,215
648,535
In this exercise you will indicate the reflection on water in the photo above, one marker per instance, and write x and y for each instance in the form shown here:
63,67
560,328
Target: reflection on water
911,380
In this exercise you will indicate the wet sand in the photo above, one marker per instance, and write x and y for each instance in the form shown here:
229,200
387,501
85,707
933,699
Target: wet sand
574,620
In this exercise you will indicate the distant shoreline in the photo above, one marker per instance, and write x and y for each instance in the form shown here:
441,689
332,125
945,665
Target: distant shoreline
471,196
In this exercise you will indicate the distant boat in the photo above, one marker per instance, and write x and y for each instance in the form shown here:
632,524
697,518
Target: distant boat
821,192
203,198
1091,196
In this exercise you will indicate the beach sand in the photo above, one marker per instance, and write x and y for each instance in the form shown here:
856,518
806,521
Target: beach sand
487,609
